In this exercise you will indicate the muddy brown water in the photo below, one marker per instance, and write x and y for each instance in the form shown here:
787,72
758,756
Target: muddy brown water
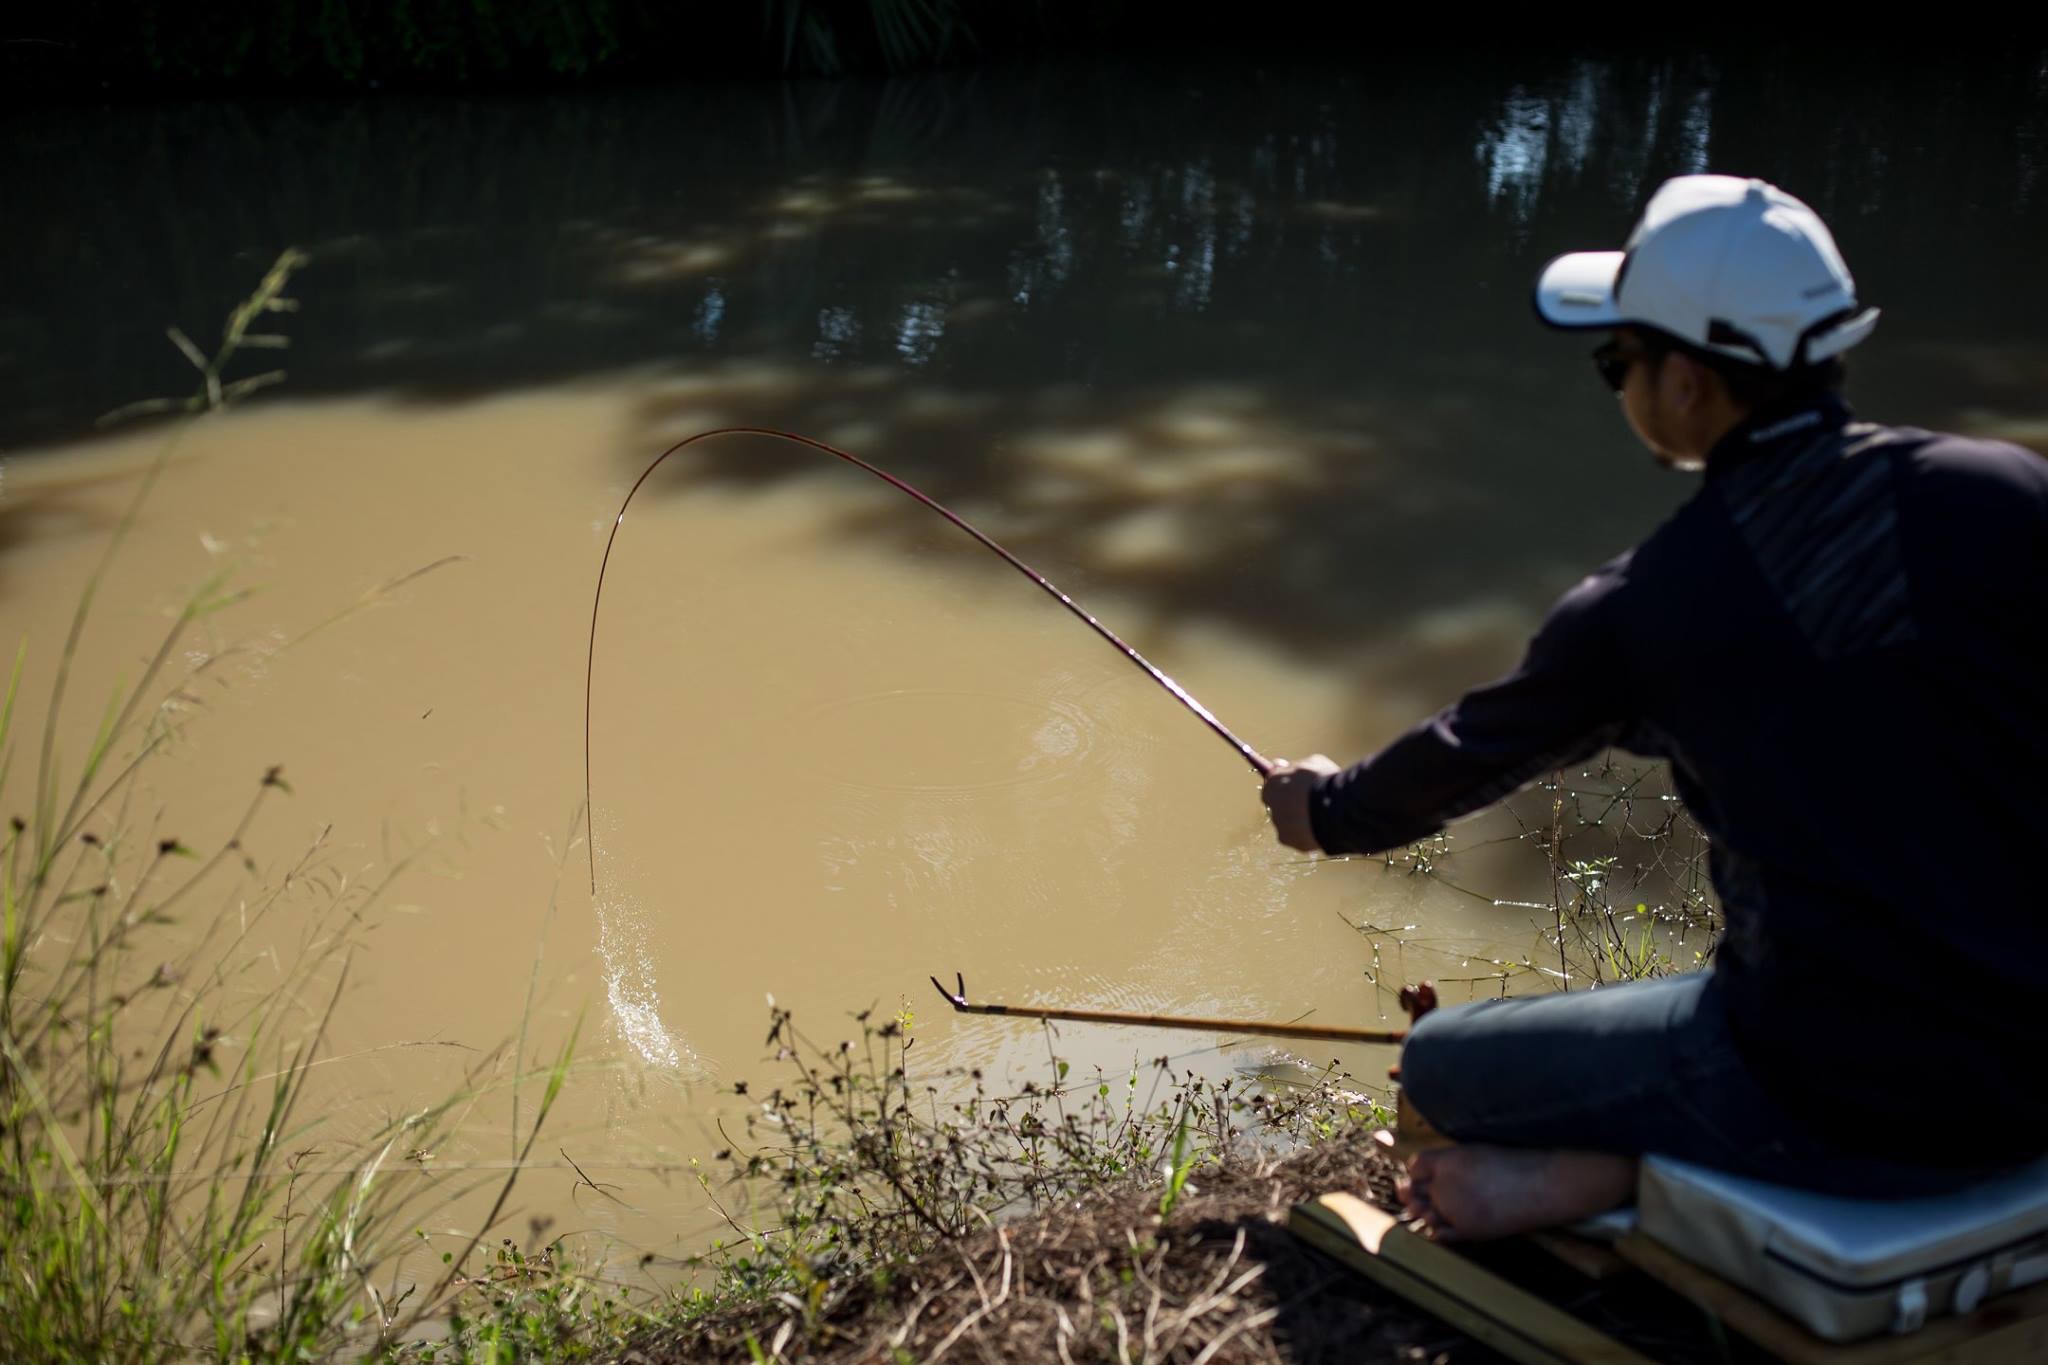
1239,356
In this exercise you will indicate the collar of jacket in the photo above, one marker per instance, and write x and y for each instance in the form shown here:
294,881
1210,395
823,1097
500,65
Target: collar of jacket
1770,429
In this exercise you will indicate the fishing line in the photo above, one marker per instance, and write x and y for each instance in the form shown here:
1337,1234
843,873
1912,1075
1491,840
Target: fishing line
1260,764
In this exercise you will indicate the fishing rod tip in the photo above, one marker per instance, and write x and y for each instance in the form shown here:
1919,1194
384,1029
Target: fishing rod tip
956,998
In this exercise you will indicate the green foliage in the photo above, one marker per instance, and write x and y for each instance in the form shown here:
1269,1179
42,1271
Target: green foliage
158,1187
1177,1168
897,34
1602,854
535,1303
1630,897
467,42
856,1165
335,42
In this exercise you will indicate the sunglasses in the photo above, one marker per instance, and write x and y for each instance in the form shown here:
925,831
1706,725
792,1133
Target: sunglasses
1613,360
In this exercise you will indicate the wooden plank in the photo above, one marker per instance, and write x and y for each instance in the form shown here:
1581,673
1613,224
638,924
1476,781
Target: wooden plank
1595,1260
1439,1281
2009,1330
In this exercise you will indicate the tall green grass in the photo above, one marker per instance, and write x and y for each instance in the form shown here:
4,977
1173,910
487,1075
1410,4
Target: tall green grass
164,1191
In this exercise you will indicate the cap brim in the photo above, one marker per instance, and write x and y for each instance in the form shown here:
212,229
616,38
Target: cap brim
1832,343
1577,291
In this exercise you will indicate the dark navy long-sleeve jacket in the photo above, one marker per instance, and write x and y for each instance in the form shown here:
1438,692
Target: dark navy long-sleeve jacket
1839,644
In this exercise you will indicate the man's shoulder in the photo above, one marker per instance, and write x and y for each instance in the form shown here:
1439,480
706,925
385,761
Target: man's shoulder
1972,494
1928,474
1971,462
1581,611
1603,581
1678,544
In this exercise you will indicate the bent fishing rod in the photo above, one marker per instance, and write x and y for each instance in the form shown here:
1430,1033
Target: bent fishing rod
1262,765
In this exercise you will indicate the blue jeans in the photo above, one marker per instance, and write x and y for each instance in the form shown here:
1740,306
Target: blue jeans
1646,1068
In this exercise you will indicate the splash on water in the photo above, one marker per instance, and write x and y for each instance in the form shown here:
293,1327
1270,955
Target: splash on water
624,938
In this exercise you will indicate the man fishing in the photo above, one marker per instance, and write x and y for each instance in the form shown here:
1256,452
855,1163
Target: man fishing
1837,644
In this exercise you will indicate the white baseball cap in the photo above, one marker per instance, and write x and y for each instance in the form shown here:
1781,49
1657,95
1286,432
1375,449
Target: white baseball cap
1733,267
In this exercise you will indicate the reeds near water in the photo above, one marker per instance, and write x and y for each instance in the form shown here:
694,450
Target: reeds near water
165,1191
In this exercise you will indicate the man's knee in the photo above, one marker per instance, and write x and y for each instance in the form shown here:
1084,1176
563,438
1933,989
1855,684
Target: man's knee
1443,1072
1573,1069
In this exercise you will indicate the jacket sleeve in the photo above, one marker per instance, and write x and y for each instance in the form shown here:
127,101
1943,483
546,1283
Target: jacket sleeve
1566,700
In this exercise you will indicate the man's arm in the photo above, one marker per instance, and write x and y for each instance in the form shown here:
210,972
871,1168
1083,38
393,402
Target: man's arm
1567,699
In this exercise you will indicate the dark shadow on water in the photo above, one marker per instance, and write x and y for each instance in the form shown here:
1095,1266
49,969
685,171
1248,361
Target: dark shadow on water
56,509
1250,341
1322,521
1329,223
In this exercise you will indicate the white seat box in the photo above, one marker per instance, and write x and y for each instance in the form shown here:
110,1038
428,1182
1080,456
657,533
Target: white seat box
1851,1268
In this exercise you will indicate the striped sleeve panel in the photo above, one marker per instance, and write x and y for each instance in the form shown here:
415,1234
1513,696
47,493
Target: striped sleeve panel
1823,525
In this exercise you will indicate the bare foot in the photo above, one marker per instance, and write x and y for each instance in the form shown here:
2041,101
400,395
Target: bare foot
1476,1191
